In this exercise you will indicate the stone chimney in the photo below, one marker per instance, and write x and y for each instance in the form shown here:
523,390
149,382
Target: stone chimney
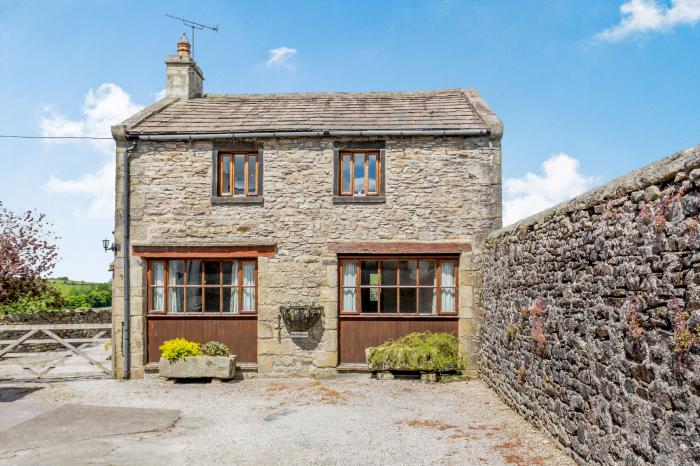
183,77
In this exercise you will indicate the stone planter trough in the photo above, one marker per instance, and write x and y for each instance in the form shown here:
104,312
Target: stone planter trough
198,367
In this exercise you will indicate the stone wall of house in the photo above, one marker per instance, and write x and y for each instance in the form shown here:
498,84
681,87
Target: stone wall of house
102,315
437,189
591,325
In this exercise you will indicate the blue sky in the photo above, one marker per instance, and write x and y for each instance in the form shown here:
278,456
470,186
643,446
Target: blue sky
584,87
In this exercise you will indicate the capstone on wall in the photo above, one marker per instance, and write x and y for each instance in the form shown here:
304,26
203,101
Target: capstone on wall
437,189
591,323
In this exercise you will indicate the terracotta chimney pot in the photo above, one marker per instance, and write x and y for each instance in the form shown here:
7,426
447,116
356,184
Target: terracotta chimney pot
183,47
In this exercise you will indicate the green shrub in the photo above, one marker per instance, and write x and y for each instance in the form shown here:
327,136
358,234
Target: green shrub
420,351
49,300
179,348
214,348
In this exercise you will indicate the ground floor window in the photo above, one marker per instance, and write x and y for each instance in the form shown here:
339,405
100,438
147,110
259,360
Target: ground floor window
203,285
420,286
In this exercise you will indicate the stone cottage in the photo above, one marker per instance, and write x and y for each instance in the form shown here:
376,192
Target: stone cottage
370,206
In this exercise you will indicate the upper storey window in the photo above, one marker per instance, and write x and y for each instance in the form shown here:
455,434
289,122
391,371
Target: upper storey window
359,173
238,174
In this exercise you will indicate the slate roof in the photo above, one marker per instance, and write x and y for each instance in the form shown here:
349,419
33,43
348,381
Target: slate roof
451,109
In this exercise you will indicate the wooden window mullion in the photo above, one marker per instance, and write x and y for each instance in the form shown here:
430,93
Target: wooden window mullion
352,174
166,267
367,174
246,159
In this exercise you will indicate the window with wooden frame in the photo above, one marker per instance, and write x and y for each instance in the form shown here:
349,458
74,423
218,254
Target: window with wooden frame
180,286
359,173
238,174
405,286
359,170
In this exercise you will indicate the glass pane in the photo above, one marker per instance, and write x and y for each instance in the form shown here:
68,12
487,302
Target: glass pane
231,300
347,166
349,274
248,299
372,173
230,273
238,173
389,272
389,300
447,274
370,298
194,300
176,299
252,163
157,294
407,300
211,299
447,300
176,273
225,174
427,303
194,272
359,174
407,272
369,273
157,273
211,272
427,273
248,273
349,299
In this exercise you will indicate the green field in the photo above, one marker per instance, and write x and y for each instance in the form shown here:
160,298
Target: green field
73,287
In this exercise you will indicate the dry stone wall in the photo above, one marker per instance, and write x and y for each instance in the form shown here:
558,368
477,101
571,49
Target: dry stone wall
591,323
437,189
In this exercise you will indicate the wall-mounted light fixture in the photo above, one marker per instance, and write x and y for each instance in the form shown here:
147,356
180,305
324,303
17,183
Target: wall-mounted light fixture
109,247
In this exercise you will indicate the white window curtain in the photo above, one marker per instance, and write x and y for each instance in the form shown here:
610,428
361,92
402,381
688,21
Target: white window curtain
447,282
158,288
233,306
349,283
248,286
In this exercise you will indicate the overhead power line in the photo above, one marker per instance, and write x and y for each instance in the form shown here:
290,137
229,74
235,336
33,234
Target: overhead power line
49,137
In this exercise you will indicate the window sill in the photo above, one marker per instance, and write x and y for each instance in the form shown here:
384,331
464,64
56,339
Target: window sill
392,316
201,315
359,199
243,200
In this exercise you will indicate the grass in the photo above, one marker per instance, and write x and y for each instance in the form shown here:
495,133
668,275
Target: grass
72,287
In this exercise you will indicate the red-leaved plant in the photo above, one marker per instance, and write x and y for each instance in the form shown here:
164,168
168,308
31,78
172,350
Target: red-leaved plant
27,254
537,326
633,326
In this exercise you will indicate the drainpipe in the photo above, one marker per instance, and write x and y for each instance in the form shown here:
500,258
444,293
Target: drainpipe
126,333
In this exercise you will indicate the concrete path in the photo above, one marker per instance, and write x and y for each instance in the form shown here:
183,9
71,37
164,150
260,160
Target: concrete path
268,421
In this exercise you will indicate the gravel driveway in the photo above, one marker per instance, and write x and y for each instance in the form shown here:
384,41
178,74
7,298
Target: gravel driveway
348,420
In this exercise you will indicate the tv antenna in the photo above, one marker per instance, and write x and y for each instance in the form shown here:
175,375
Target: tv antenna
194,26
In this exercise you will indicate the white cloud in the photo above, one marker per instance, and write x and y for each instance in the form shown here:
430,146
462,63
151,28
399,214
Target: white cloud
158,95
98,187
560,180
281,58
642,16
102,108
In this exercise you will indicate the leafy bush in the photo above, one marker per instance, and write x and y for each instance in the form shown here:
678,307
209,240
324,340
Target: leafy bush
179,348
420,351
49,300
214,348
